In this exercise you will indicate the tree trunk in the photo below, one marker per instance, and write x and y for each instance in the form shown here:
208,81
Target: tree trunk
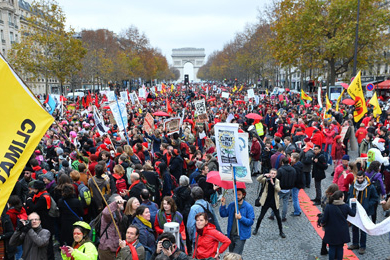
332,67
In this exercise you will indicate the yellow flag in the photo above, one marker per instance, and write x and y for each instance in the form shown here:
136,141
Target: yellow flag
339,99
24,122
327,107
242,86
235,88
266,91
172,87
140,110
374,102
356,92
305,96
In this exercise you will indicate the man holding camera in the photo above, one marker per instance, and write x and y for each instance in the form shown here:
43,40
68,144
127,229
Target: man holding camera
34,238
167,245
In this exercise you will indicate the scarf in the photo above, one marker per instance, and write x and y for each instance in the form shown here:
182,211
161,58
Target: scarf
133,251
145,222
133,184
360,187
47,197
338,202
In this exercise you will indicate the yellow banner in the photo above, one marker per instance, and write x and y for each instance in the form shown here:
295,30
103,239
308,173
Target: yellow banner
305,96
24,122
356,92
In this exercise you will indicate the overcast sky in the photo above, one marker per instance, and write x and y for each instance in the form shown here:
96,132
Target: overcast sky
168,24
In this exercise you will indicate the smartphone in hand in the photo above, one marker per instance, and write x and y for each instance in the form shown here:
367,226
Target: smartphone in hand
66,250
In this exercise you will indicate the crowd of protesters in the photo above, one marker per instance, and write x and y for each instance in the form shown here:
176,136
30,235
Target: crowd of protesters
150,178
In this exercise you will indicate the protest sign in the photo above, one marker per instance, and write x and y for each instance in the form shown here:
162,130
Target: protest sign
124,97
118,109
172,125
251,93
243,173
200,110
148,123
134,98
110,96
142,93
226,138
225,94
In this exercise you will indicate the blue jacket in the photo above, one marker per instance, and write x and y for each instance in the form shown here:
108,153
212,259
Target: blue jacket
368,200
246,221
195,209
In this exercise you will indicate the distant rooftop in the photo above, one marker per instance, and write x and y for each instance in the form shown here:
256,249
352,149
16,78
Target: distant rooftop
24,5
185,52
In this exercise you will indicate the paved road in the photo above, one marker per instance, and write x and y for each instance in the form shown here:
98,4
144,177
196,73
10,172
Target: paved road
302,241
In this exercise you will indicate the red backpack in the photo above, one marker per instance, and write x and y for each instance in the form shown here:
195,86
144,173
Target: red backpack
120,185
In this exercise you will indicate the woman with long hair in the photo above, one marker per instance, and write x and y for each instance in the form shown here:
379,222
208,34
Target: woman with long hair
82,248
335,224
131,206
168,213
71,211
374,174
207,239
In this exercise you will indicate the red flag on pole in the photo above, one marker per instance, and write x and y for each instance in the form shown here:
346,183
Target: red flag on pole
97,101
169,108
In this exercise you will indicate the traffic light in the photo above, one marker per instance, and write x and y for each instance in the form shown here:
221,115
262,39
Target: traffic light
186,79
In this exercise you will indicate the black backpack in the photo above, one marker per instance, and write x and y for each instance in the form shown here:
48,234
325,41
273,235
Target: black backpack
210,215
376,184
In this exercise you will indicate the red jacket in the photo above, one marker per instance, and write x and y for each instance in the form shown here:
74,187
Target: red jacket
255,150
206,245
14,215
361,134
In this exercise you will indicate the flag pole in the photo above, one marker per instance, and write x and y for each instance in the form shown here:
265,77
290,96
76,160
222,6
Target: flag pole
235,195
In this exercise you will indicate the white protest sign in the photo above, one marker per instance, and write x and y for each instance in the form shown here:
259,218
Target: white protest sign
124,97
225,94
172,125
251,93
229,118
243,173
159,88
120,113
257,99
215,88
110,96
134,98
226,137
142,93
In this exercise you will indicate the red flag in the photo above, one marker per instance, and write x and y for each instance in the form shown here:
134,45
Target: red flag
96,101
62,98
77,102
169,108
47,100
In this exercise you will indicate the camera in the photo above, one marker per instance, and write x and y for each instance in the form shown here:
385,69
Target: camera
26,222
166,244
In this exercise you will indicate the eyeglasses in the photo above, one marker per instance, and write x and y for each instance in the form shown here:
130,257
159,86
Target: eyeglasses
77,233
35,219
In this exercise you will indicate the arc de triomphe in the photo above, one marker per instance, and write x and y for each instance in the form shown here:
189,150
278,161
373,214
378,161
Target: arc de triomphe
181,56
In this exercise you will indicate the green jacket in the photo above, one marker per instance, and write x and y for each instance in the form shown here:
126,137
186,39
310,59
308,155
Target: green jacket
86,251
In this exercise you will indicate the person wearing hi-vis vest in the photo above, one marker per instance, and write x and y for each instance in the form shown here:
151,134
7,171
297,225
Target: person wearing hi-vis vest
260,129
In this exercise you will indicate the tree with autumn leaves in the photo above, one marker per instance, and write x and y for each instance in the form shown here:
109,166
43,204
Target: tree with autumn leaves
304,34
46,48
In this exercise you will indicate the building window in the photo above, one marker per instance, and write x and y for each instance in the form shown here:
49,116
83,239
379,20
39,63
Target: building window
11,37
16,38
2,36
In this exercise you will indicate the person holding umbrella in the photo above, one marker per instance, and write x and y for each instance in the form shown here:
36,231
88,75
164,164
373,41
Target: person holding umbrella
244,219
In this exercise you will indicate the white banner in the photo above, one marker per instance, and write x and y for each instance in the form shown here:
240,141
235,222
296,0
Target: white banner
319,97
225,94
363,222
243,173
251,93
124,97
226,138
134,98
120,117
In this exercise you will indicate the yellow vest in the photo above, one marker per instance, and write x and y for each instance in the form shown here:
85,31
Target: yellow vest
259,129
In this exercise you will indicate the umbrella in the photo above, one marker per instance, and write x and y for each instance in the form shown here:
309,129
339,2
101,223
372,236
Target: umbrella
211,99
287,90
345,85
141,98
160,113
72,105
254,116
214,178
348,102
106,107
307,105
